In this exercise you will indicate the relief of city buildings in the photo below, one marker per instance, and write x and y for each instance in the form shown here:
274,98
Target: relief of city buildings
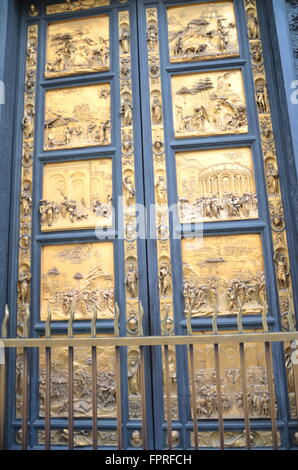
76,195
216,185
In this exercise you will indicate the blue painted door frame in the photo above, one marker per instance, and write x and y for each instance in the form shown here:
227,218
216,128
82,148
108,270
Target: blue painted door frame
280,66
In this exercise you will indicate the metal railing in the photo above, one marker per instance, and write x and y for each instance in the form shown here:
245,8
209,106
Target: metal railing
48,344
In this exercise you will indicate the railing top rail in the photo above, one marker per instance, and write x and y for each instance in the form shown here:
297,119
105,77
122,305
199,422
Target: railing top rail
237,338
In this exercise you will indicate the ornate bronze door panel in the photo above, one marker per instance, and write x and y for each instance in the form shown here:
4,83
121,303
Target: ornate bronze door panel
166,104
220,261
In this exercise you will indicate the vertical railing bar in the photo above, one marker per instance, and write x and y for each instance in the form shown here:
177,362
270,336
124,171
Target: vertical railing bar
48,399
119,399
2,401
48,354
143,395
193,394
168,398
94,380
294,347
25,398
4,334
70,397
218,387
268,355
94,398
244,393
70,383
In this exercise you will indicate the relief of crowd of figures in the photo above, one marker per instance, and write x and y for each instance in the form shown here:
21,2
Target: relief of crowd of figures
76,195
225,276
77,279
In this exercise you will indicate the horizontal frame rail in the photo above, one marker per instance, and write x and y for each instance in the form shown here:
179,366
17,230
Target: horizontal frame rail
273,337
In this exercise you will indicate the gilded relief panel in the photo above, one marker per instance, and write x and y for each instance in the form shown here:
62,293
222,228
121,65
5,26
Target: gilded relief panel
224,275
78,47
210,103
82,438
235,439
76,195
215,185
230,379
204,31
76,5
106,383
77,117
77,280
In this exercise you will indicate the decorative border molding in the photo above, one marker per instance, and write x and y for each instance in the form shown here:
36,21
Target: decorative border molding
160,175
276,206
26,189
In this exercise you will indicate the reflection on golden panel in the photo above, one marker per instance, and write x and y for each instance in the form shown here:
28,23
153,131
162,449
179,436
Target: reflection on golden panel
224,273
78,117
76,5
106,383
78,279
203,31
215,185
76,195
210,103
230,378
78,46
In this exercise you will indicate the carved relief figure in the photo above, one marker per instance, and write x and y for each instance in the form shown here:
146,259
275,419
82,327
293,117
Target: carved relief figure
130,189
26,200
124,40
272,177
253,27
164,275
126,111
28,122
131,280
33,11
282,269
156,110
201,32
24,286
161,190
221,93
152,35
133,373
